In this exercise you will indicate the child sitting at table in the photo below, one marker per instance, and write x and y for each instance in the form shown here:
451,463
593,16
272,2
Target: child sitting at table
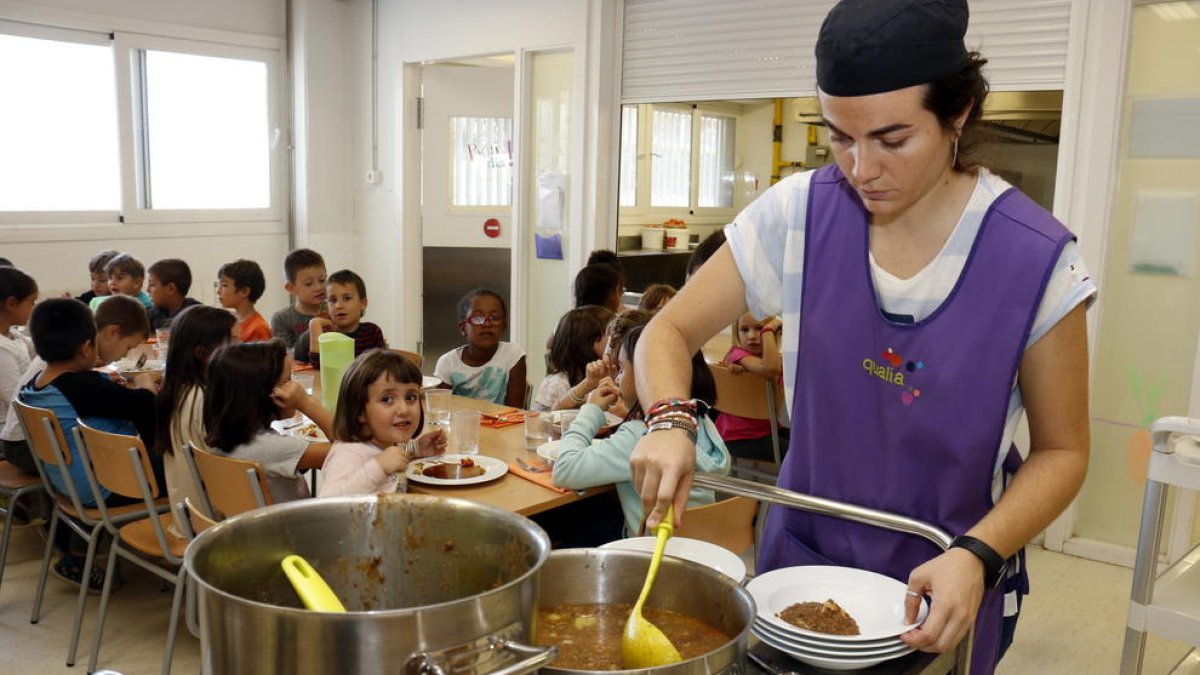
576,359
378,426
18,292
170,281
239,285
585,462
346,295
755,352
485,368
304,271
179,409
99,277
250,386
125,277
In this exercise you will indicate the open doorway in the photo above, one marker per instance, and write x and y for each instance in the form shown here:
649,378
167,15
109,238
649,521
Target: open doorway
467,178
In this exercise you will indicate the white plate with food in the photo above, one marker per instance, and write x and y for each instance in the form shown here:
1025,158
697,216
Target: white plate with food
429,382
609,418
300,426
719,558
873,601
819,646
830,662
455,469
129,367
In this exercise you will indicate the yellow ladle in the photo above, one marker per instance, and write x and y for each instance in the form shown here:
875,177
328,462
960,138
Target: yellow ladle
312,589
643,645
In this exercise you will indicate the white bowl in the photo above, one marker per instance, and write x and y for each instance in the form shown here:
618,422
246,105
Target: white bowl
817,645
876,602
835,662
549,451
719,558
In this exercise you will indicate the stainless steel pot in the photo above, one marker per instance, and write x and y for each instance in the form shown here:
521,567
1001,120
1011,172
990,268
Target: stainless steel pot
588,575
431,585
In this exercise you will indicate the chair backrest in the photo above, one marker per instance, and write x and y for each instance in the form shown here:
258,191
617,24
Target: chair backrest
44,434
411,356
233,485
199,521
113,464
728,523
187,454
744,394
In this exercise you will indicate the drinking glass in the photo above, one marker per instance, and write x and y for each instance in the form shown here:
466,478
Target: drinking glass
466,431
537,429
306,380
565,418
437,410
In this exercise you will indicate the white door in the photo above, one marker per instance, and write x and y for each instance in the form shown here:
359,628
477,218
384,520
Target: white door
467,174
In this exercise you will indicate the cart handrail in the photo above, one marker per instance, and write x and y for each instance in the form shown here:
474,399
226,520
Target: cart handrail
889,521
829,507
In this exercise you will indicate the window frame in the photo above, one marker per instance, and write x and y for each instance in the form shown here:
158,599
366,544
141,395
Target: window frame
642,210
124,46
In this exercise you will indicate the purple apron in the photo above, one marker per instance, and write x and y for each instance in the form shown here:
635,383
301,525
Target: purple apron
906,418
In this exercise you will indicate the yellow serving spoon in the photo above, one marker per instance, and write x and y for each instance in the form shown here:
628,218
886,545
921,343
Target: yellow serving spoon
643,645
312,589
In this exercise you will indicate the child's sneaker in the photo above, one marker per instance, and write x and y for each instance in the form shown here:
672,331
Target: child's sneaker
70,569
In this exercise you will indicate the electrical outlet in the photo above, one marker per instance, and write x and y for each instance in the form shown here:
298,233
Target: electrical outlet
374,176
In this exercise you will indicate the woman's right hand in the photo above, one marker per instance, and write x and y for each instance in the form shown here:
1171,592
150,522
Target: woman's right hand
605,394
662,466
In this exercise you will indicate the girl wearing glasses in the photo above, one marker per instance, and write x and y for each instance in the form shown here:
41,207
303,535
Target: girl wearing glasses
485,368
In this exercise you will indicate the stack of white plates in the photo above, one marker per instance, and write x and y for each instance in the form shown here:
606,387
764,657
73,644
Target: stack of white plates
874,601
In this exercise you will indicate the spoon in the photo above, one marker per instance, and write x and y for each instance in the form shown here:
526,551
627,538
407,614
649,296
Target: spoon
643,645
312,589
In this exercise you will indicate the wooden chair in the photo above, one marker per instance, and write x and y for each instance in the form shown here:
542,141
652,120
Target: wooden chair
190,520
198,521
120,464
411,356
45,436
14,484
728,523
233,486
752,397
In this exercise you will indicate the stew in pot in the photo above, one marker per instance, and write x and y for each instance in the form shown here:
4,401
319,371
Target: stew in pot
588,637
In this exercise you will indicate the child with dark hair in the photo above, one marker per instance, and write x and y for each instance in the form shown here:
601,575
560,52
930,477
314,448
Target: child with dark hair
304,275
179,409
486,367
378,425
99,276
576,359
65,337
346,294
170,281
120,325
18,292
600,284
125,277
239,285
249,386
585,462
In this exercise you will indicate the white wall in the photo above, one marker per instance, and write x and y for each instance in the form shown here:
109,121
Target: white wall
57,255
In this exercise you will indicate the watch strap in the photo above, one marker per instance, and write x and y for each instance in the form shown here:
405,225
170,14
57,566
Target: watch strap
994,565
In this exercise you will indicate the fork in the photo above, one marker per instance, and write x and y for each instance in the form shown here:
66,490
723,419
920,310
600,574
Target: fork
530,468
141,361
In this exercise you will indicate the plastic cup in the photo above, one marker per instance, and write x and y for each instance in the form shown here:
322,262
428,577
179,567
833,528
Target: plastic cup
437,409
537,429
465,431
162,337
306,380
565,419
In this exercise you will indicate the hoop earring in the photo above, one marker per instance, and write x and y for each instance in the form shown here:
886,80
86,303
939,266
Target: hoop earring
954,158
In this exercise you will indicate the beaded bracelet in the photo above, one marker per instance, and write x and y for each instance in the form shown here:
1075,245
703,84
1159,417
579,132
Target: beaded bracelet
571,393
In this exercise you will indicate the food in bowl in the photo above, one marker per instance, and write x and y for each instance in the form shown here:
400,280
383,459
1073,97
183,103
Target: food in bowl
588,636
821,617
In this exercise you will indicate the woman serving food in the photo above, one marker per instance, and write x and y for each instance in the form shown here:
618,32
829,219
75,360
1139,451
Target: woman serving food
926,306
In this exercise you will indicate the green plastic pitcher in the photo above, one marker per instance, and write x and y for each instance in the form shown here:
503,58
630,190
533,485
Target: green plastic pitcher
337,353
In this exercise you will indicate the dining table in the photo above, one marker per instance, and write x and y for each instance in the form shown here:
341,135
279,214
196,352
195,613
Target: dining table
506,443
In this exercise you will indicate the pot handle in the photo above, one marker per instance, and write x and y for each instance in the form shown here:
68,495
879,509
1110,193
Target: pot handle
530,659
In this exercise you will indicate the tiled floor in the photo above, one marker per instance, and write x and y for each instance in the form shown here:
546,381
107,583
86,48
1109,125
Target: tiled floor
1072,624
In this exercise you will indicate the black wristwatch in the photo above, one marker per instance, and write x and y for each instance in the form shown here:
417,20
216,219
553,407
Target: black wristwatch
994,566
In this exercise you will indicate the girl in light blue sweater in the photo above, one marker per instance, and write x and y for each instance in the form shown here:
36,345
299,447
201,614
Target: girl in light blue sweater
585,462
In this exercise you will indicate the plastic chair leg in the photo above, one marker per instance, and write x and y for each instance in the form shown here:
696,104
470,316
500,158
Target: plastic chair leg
8,521
173,628
41,589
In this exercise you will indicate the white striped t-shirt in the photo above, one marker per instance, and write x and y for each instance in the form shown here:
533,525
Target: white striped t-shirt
767,242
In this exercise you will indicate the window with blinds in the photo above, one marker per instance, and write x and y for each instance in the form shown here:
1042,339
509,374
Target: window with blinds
671,153
482,157
629,156
687,50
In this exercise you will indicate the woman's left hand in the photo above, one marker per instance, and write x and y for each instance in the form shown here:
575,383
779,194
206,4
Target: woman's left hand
431,443
954,583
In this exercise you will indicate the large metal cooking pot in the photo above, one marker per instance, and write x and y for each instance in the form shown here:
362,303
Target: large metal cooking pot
430,585
589,575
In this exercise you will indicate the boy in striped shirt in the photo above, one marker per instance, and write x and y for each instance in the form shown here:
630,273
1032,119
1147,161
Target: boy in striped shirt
346,297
